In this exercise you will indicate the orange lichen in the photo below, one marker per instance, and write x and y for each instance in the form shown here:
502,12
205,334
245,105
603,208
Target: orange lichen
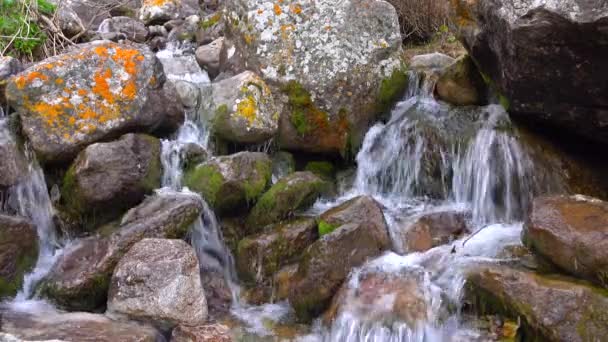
72,120
277,9
129,91
59,81
157,2
295,8
50,112
101,86
260,11
28,78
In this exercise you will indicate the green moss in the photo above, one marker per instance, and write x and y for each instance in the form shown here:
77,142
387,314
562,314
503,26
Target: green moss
24,264
305,117
221,110
504,102
391,90
153,177
205,180
321,168
325,228
298,120
205,24
254,189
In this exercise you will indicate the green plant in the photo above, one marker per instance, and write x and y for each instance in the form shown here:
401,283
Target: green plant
325,228
20,32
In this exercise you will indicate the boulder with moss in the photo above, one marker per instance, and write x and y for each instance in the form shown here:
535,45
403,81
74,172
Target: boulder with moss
108,178
92,93
241,109
550,308
80,278
337,62
362,209
18,253
231,182
297,191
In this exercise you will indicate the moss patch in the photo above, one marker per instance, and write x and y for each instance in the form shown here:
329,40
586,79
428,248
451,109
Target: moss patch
205,24
305,116
205,180
321,168
391,90
325,228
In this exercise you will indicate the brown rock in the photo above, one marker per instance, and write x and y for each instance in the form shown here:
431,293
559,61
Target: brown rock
203,333
433,229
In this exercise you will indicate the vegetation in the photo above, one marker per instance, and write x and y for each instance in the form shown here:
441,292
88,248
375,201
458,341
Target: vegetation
420,20
325,228
20,31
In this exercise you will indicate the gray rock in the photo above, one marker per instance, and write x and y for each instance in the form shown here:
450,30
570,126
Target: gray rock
9,66
211,28
76,16
18,252
80,278
208,56
158,281
215,332
92,93
165,10
108,178
433,61
132,29
14,165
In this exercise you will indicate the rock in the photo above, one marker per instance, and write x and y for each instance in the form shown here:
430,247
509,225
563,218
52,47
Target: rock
186,32
9,66
54,326
204,333
361,210
380,297
182,68
108,178
283,164
570,232
551,308
14,165
211,28
432,61
80,278
327,262
296,191
158,281
241,109
218,293
260,256
231,182
284,281
323,169
165,102
74,17
337,61
518,46
18,253
134,30
433,229
461,84
160,11
92,93
208,56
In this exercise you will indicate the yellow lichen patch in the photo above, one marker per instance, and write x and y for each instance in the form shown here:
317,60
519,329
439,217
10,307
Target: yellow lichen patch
59,81
247,108
277,9
50,112
157,2
260,11
295,8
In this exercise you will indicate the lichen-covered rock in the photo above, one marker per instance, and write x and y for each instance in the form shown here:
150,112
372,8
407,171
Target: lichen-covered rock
158,281
18,253
80,278
160,11
327,262
91,93
550,308
215,332
108,178
9,66
208,56
531,52
132,29
296,191
432,229
231,182
14,165
461,84
241,109
260,256
333,59
53,326
570,231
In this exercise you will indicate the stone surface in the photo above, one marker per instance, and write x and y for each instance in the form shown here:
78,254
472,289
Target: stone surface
461,84
14,165
260,257
208,56
133,29
158,281
551,308
53,326
520,45
160,11
241,109
9,66
18,252
432,61
296,191
211,28
94,92
204,333
80,278
433,229
327,262
108,178
341,53
571,232
363,209
231,182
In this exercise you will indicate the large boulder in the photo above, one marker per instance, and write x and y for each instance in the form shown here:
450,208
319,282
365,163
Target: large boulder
80,278
158,281
337,62
260,257
94,92
296,191
231,182
160,11
532,53
14,165
108,178
570,231
18,252
429,230
241,109
550,308
50,325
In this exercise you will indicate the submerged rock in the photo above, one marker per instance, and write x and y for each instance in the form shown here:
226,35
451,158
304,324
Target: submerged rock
80,278
296,191
570,231
241,109
433,229
231,182
108,178
92,93
158,281
461,84
337,62
550,308
532,53
203,333
18,253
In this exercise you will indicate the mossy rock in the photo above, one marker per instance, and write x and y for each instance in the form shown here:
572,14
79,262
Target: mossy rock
19,252
322,169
